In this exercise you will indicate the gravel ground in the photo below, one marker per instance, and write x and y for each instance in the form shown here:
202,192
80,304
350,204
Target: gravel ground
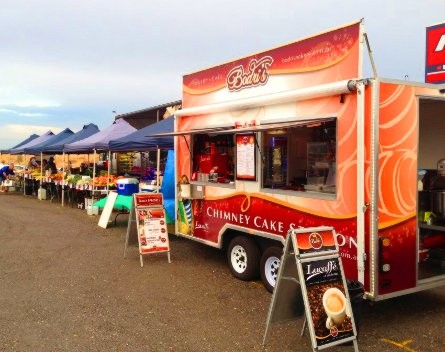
65,286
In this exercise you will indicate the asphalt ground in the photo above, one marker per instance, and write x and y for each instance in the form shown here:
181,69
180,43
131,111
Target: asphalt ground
66,286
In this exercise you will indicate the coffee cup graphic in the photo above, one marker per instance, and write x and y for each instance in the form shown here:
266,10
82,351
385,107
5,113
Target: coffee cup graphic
334,304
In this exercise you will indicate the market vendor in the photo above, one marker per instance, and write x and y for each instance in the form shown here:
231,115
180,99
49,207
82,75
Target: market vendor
33,164
6,172
51,166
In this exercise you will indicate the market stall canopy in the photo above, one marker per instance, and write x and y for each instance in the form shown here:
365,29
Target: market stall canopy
99,141
85,132
38,148
42,138
142,139
27,140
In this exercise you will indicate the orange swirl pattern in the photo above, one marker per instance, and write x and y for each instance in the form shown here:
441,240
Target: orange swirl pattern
398,129
398,140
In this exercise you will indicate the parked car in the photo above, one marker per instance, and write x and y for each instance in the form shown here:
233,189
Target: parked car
19,168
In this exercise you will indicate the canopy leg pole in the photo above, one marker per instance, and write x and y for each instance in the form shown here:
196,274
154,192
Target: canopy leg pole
63,178
94,172
108,171
158,171
24,179
41,174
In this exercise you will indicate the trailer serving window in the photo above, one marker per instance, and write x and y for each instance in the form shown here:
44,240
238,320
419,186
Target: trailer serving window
213,157
301,157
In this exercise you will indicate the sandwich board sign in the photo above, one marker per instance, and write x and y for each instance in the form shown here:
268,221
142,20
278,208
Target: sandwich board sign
148,213
108,208
311,276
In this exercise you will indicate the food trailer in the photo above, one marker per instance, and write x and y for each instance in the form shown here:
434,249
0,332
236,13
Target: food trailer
295,137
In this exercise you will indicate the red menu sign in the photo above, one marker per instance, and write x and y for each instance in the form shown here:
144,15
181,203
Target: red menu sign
435,54
148,199
151,223
245,156
152,230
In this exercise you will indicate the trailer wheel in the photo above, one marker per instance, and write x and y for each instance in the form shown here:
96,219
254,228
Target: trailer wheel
269,265
243,256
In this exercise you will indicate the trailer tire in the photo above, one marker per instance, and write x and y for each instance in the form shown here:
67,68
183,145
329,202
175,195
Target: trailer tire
243,256
269,265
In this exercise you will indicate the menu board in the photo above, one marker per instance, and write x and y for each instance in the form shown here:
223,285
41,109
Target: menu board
152,230
151,224
245,156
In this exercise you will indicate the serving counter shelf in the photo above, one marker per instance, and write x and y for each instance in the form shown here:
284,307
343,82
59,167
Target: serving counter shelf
425,226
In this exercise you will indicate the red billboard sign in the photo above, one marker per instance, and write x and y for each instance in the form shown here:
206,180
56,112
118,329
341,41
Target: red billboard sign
435,54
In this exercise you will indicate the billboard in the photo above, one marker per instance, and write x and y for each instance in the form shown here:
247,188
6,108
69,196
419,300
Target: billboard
435,54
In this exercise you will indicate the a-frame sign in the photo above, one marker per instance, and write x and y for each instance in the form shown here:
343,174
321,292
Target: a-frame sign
311,280
148,214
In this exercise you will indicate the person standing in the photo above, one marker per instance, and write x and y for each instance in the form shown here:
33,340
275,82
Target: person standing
51,166
32,164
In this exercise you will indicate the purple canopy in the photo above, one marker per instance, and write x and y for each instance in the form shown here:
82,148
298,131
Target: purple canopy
85,132
38,140
99,141
38,148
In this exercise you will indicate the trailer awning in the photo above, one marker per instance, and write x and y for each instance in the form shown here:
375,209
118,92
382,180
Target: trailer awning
322,90
275,126
209,130
250,129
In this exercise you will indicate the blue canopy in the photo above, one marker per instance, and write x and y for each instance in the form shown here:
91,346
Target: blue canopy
38,148
141,140
27,140
99,141
85,132
42,138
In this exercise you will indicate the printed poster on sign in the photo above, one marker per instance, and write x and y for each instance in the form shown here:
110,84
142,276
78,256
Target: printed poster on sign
153,235
245,157
329,307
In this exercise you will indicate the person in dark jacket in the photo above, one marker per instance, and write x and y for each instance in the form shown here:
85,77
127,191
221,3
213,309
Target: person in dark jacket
51,166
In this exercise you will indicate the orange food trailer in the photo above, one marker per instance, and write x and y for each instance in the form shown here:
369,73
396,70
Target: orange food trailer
294,137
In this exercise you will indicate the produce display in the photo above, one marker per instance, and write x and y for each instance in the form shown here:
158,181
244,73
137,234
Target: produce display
103,179
82,181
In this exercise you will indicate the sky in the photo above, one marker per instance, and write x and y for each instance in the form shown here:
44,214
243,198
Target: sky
64,64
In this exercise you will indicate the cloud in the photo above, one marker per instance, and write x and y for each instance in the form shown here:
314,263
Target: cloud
63,86
12,134
26,130
25,114
26,103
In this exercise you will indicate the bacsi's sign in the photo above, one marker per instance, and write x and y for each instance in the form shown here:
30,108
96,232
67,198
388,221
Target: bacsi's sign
257,74
435,54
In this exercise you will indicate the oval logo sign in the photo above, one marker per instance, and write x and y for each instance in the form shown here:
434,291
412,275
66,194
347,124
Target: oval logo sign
315,240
